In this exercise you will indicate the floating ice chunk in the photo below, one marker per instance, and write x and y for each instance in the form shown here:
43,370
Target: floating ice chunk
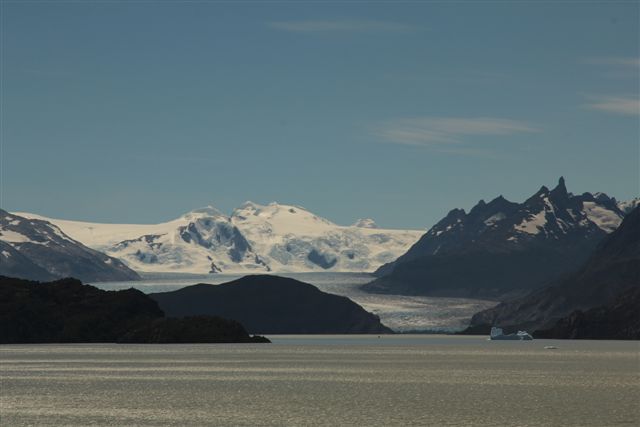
498,334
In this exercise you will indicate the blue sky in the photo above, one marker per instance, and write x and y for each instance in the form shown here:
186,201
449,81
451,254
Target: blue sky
140,111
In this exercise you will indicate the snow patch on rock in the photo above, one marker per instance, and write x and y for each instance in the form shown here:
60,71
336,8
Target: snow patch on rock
11,237
493,219
533,224
605,219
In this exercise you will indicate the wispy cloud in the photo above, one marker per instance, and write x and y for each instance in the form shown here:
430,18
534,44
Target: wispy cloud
334,26
625,61
442,132
625,105
616,67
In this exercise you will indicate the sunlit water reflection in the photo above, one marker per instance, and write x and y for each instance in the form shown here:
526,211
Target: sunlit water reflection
323,380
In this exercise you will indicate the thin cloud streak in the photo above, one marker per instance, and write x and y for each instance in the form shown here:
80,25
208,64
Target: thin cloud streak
446,131
616,61
627,106
339,26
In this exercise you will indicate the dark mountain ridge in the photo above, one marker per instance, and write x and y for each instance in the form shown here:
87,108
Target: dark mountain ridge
618,320
503,248
606,283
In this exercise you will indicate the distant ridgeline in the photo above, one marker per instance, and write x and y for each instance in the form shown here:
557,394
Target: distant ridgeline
66,311
503,249
601,300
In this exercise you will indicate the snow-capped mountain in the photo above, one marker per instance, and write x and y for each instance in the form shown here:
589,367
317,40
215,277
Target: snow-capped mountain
254,238
38,250
502,246
290,238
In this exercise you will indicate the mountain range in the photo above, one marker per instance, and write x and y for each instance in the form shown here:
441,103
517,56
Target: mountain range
38,250
253,239
497,249
501,248
604,287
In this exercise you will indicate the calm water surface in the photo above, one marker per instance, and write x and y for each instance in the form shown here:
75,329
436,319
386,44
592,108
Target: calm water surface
399,312
324,380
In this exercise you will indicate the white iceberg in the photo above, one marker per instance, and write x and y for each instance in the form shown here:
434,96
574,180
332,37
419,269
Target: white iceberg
498,334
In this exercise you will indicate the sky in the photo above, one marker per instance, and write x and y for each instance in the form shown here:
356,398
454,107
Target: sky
136,112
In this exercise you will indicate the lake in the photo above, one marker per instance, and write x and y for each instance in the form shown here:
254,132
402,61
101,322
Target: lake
324,380
399,312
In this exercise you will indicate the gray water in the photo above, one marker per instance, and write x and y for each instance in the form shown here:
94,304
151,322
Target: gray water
324,380
399,312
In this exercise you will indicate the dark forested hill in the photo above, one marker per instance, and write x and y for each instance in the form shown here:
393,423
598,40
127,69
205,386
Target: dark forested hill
67,311
271,304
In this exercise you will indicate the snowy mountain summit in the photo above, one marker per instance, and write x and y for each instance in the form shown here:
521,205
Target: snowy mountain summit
365,223
254,238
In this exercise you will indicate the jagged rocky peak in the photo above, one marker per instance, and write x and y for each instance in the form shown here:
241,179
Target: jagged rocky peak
455,214
602,197
453,221
561,189
560,212
496,207
543,190
478,209
501,203
365,223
